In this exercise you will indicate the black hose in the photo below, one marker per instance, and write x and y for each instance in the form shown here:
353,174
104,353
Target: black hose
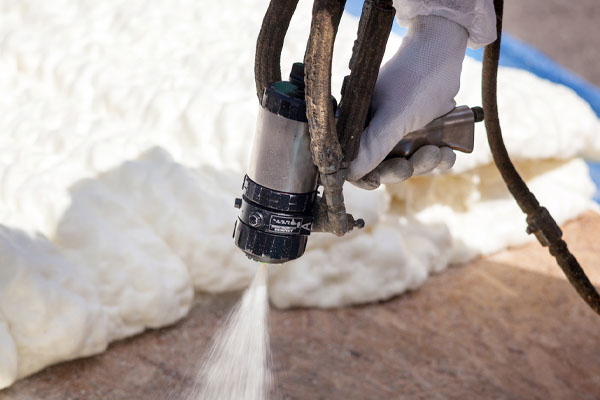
267,60
539,220
374,29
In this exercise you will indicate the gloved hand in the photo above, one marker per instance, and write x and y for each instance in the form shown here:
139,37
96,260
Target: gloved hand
416,86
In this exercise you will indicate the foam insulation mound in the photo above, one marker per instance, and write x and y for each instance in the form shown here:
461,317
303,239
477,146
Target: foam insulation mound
124,137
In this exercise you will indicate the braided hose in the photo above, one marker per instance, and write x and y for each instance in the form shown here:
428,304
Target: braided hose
539,220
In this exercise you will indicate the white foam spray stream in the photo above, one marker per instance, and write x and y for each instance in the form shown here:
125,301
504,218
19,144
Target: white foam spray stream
236,367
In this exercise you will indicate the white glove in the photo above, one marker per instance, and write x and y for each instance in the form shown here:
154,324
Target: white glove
477,16
416,86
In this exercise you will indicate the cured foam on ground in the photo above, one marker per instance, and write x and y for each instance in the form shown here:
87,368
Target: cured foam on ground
125,131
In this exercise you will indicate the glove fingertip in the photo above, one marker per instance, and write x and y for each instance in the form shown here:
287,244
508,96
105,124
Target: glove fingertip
426,159
370,181
395,170
448,158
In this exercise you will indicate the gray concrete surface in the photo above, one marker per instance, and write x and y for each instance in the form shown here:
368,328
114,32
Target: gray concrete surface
567,31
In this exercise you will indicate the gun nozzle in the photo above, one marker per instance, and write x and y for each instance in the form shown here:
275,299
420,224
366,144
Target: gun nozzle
477,113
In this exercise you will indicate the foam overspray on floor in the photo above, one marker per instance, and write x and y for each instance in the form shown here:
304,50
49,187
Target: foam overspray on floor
236,366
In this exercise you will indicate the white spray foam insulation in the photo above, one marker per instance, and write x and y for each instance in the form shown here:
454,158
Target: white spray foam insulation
125,131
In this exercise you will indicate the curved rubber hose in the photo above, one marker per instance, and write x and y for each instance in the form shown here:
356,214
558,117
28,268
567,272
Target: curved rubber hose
325,146
324,143
374,27
539,220
267,59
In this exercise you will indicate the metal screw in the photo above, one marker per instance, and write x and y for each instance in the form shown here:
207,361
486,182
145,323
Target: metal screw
255,219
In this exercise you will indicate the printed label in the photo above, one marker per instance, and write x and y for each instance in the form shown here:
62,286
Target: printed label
288,225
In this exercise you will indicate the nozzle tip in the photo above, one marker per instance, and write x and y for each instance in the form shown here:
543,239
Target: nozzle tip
477,113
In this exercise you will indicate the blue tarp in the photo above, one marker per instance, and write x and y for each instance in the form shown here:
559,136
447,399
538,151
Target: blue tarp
515,53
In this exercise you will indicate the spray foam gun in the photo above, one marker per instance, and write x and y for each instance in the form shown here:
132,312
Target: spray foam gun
304,139
300,125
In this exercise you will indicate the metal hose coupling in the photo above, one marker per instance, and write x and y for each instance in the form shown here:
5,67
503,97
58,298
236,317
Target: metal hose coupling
329,210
